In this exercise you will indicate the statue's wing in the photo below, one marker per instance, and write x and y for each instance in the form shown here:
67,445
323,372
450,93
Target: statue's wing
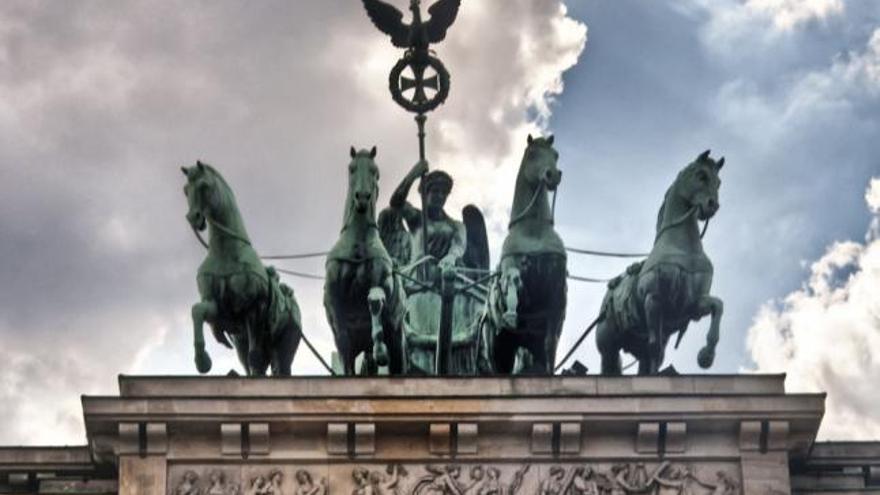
476,254
394,236
389,20
443,15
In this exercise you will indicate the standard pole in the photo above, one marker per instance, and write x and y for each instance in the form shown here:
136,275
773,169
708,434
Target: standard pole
420,121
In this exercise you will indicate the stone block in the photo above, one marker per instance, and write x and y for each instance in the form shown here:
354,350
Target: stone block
230,439
364,438
467,438
764,474
750,435
777,435
18,479
439,438
129,439
648,438
676,437
542,438
873,476
142,475
570,438
258,441
337,438
157,438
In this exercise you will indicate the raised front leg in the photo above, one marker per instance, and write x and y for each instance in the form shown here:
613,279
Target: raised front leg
376,300
709,305
205,311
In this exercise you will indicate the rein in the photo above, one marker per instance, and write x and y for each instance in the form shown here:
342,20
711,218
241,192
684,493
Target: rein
680,220
519,216
222,228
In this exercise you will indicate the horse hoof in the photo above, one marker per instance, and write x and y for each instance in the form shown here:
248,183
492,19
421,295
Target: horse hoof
203,361
705,357
380,354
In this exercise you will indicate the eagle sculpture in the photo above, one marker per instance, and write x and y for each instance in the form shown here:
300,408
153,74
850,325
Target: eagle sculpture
418,34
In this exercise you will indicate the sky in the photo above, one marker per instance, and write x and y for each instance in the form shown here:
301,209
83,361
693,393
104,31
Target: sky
102,102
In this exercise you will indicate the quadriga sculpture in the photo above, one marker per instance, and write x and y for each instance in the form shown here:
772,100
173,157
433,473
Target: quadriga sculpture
242,300
526,306
362,296
659,296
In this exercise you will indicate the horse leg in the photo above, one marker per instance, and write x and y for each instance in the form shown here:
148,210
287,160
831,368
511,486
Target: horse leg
257,360
376,301
715,307
547,355
654,325
242,346
284,349
202,312
607,342
335,309
505,352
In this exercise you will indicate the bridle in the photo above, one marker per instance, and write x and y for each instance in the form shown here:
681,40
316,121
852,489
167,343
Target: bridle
680,220
222,228
542,186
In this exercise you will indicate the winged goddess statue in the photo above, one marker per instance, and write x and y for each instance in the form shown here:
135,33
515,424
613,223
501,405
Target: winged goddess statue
419,34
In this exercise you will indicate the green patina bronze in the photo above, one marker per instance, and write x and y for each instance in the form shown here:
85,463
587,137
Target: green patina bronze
363,297
243,301
436,296
526,305
658,297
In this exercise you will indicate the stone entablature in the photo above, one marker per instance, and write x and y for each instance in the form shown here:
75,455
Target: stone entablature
461,436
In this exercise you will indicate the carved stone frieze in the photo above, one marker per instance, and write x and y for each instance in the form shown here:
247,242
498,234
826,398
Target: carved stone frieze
597,478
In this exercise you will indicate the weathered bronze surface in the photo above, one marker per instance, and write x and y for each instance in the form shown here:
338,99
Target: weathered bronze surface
243,301
658,297
526,306
435,300
362,295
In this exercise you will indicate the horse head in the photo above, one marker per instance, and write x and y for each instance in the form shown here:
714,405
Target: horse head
539,163
697,185
202,194
363,186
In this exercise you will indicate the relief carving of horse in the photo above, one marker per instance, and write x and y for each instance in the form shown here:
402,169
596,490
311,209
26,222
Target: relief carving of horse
526,306
242,300
362,296
658,297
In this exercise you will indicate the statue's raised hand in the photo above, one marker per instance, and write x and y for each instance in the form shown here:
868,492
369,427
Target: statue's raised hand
420,168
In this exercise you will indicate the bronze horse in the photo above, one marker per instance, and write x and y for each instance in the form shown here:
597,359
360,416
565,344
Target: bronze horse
526,306
240,298
362,296
659,296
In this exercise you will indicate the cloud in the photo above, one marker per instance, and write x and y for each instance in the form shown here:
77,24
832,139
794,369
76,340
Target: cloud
826,335
102,104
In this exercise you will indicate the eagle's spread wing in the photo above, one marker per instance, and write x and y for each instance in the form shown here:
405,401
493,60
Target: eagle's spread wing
443,15
389,20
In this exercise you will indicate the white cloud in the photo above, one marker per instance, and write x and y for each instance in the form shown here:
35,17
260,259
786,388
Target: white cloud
102,106
788,14
819,98
826,335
